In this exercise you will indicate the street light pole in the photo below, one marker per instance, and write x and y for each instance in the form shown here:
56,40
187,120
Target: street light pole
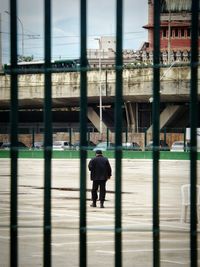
22,27
100,89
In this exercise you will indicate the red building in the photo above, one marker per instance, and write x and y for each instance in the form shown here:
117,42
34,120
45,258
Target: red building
175,19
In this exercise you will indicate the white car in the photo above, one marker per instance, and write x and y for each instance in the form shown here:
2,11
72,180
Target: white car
178,146
38,145
61,145
103,146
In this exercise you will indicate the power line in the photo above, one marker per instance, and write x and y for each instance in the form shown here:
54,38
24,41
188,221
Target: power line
74,36
25,34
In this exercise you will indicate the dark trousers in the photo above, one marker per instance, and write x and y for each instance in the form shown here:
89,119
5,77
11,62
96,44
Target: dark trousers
95,186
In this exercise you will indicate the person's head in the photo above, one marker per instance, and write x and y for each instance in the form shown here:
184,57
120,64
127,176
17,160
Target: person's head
98,153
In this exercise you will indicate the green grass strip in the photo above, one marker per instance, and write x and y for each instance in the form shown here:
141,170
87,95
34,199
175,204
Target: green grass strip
73,154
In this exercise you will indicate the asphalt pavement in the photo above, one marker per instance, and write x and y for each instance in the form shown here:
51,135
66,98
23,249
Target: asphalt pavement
137,245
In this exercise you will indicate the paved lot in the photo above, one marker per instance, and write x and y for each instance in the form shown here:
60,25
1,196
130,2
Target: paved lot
137,215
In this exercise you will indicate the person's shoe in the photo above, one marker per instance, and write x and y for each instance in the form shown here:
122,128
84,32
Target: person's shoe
102,206
93,205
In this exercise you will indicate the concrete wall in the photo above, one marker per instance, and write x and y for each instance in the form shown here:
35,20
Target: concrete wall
137,87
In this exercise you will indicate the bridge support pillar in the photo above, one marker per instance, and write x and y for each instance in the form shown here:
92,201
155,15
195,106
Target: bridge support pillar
131,118
166,115
95,119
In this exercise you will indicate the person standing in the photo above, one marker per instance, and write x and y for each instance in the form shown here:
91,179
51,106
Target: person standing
100,172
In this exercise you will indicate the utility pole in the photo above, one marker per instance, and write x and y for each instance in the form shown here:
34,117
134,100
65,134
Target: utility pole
22,28
100,89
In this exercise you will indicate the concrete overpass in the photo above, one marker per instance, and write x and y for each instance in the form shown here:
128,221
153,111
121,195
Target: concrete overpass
137,88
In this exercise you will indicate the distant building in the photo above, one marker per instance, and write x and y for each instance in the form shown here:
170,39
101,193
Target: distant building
106,51
175,38
106,48
108,43
175,26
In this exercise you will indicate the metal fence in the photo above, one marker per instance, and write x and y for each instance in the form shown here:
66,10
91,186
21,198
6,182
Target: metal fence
83,136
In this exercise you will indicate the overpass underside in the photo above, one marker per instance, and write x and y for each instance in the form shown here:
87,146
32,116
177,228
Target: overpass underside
136,117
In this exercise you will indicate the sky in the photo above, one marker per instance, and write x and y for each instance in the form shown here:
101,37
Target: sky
101,21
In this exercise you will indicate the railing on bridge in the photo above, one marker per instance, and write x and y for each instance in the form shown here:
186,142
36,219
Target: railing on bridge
118,137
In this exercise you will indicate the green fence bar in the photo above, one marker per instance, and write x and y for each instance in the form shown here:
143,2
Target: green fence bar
83,136
184,139
33,137
118,134
69,131
107,136
14,138
193,124
47,137
156,134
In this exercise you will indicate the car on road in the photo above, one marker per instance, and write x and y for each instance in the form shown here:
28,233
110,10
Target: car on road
90,145
38,145
180,146
163,146
103,146
131,146
7,145
61,145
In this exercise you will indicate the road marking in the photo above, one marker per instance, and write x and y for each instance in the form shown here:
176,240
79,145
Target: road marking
54,235
143,250
4,237
177,262
56,244
53,254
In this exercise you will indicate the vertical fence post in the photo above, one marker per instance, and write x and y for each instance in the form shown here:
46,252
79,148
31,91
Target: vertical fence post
184,139
145,138
83,136
33,137
70,136
165,136
126,138
193,134
107,136
47,136
156,134
14,138
118,135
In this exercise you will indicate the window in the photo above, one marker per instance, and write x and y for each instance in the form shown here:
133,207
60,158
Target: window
176,33
188,33
182,33
164,33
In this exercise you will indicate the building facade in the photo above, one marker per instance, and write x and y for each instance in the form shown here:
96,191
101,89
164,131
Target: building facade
175,26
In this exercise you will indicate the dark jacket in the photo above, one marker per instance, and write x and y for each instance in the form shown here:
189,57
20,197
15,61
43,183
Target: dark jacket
100,168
